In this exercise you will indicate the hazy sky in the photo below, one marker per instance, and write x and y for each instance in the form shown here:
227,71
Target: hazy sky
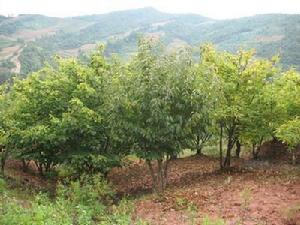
219,9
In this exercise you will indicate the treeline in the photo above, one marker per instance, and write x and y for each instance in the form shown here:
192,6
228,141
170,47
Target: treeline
88,116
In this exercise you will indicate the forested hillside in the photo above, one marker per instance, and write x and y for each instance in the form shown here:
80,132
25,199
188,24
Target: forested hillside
27,42
160,139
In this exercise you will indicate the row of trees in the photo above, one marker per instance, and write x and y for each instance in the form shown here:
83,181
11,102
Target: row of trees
155,106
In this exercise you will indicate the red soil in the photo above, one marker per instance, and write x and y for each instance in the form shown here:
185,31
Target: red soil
254,193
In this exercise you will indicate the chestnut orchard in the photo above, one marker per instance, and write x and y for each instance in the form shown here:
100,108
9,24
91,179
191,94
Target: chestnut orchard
88,116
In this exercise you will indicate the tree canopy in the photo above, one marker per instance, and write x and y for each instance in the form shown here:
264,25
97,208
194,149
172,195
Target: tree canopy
89,115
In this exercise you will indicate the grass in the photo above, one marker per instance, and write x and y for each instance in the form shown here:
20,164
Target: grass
292,213
88,201
209,150
15,190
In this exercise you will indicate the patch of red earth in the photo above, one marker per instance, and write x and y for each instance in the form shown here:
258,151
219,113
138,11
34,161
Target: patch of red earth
29,179
154,212
263,203
136,178
253,193
266,204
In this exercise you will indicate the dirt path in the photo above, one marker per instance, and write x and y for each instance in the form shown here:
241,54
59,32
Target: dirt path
13,54
16,61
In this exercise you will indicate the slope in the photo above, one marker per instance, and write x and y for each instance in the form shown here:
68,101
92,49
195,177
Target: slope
40,37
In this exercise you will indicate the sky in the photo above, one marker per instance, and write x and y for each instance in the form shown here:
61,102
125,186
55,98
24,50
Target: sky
217,9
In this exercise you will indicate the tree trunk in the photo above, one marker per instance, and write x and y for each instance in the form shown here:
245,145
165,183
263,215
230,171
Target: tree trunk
166,173
255,155
41,171
255,151
238,148
3,164
40,168
227,160
293,158
48,167
230,145
159,178
199,146
24,165
199,151
221,147
152,174
3,160
174,156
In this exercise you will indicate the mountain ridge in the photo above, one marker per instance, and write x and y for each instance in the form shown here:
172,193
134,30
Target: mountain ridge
37,37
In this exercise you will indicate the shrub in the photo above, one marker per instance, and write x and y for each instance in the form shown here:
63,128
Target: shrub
120,214
2,185
89,163
89,192
85,201
209,221
42,211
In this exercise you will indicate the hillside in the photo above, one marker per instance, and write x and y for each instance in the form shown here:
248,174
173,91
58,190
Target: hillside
163,138
28,41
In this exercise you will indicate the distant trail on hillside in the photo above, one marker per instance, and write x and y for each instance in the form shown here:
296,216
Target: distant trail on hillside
16,61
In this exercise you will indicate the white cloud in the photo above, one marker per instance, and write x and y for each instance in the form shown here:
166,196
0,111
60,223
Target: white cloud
212,8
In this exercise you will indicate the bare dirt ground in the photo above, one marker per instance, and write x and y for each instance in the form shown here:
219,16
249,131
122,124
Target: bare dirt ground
31,35
8,52
273,38
29,179
253,193
16,61
74,52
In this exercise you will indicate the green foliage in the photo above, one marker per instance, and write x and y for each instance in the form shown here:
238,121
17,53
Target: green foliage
8,64
86,117
2,185
156,108
60,111
287,89
120,214
289,133
33,58
291,213
259,114
241,81
159,106
208,221
31,22
181,203
91,163
82,202
246,196
269,34
4,43
85,192
41,212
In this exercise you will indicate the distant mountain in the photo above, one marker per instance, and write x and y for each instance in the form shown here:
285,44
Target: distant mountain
27,42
